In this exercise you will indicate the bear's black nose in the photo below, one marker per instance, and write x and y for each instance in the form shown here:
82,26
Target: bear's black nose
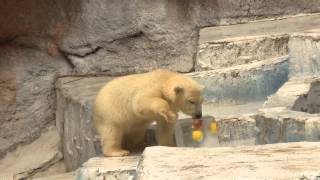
198,115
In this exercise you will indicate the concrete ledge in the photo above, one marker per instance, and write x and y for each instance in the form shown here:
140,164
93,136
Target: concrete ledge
244,83
73,118
240,50
115,168
305,53
276,161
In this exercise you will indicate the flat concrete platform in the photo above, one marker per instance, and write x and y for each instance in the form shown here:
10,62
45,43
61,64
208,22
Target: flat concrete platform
265,27
273,161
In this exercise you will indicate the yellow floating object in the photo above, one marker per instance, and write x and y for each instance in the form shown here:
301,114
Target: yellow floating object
197,135
213,127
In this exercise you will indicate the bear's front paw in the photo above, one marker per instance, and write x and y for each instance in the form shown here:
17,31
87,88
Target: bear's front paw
169,116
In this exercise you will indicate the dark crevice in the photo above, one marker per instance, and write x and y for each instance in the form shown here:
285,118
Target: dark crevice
68,60
128,36
8,40
95,50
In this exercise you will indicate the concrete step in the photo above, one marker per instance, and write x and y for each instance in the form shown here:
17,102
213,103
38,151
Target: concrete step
305,53
112,168
276,161
289,115
230,52
299,94
285,25
243,83
225,46
62,176
298,161
73,118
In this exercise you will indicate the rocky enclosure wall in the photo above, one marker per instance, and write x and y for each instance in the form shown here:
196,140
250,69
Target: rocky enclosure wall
41,40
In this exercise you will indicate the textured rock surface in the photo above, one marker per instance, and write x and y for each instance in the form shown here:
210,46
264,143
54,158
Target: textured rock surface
242,50
276,161
116,168
243,83
143,35
56,169
305,53
33,158
27,97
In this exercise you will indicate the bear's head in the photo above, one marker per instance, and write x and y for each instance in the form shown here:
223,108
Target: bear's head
185,94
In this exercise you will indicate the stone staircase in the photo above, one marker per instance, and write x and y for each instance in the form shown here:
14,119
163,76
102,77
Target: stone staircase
242,67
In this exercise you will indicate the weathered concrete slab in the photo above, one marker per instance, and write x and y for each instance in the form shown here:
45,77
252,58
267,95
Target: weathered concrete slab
282,125
292,113
276,161
28,160
243,83
240,50
287,25
305,53
63,176
299,94
73,118
114,168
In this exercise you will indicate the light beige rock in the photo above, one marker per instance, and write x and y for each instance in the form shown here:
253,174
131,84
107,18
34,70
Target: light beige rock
63,176
57,168
274,161
114,168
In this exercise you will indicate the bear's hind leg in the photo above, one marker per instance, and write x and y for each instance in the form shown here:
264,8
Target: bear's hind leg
111,139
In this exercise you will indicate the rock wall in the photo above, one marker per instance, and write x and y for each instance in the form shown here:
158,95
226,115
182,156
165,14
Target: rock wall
41,40
27,96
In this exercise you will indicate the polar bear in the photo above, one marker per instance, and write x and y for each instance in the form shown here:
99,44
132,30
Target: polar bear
127,105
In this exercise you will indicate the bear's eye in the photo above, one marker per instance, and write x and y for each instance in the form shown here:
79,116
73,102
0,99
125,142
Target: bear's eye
191,102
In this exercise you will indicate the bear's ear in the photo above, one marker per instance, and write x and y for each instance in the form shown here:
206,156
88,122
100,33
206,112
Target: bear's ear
178,90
